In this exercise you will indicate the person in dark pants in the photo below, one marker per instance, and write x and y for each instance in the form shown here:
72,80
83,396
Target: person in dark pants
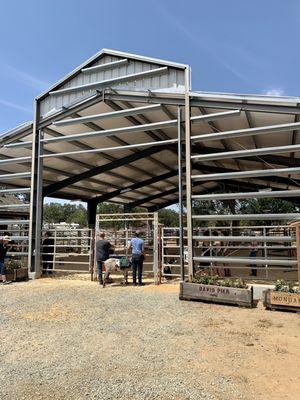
4,247
253,253
103,250
47,253
137,247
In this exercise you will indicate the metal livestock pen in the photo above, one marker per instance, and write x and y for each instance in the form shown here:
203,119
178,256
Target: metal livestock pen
131,130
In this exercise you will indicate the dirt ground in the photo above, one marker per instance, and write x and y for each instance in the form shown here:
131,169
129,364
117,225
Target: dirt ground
70,339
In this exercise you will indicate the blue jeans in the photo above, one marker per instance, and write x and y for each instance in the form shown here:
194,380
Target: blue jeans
137,267
100,272
100,269
2,268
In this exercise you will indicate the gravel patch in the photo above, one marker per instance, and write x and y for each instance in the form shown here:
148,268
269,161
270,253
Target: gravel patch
68,339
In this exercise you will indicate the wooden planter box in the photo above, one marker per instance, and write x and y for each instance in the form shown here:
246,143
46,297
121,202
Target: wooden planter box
217,294
19,274
281,300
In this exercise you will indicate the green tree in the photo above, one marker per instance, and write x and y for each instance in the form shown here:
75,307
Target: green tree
266,206
70,213
168,217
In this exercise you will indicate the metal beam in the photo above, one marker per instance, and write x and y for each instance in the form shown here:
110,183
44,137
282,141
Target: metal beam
18,190
14,222
102,67
238,260
104,155
126,129
108,115
250,217
272,159
15,160
195,102
248,195
109,82
100,133
122,142
222,238
153,197
145,183
10,160
245,105
107,156
159,195
215,129
246,132
167,203
248,153
113,148
156,135
247,174
101,169
13,206
19,175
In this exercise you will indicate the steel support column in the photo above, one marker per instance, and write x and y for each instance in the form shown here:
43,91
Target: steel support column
188,173
36,198
180,195
91,213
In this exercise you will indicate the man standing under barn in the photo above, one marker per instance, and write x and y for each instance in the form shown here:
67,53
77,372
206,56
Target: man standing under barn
137,247
103,250
4,247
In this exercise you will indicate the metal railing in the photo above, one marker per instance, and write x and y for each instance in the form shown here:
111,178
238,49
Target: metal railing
67,248
225,250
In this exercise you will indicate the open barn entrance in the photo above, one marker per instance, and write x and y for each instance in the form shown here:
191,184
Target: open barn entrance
128,129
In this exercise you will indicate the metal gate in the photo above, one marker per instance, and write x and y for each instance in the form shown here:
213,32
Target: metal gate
275,247
71,251
119,229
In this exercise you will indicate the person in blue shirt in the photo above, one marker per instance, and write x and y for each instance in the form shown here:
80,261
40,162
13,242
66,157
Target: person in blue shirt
137,248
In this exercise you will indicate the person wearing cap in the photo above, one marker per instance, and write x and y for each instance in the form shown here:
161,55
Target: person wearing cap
3,250
136,246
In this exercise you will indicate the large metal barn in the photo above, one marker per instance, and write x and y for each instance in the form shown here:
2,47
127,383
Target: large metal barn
131,130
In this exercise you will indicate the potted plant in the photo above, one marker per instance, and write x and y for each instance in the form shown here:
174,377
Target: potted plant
16,270
217,290
285,296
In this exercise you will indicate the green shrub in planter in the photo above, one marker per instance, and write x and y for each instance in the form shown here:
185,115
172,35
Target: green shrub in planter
216,280
283,286
12,264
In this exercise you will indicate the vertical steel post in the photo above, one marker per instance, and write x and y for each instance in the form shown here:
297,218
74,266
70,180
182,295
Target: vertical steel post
265,253
188,171
155,248
54,250
36,199
180,195
91,213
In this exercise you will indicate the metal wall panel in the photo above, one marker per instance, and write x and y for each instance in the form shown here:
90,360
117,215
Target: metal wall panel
172,80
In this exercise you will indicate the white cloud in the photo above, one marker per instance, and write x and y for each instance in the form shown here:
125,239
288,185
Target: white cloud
25,78
15,106
274,92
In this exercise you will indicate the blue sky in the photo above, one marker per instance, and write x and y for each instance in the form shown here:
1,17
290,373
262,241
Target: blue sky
232,46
